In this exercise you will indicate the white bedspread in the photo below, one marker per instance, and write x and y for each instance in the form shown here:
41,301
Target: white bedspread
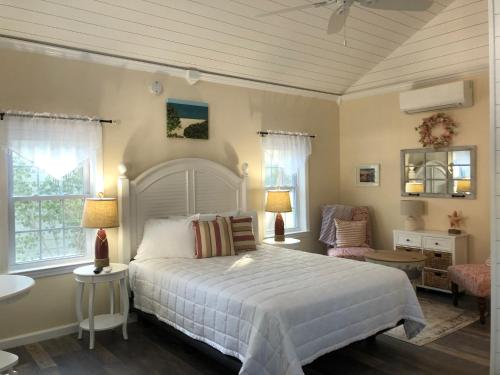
275,309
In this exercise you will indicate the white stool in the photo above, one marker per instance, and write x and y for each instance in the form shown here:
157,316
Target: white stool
85,275
7,363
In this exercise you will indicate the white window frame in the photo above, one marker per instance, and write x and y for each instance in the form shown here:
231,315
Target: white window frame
301,208
66,264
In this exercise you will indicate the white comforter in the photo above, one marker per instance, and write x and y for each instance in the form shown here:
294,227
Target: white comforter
275,309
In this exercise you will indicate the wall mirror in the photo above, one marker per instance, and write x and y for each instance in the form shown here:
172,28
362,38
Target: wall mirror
442,173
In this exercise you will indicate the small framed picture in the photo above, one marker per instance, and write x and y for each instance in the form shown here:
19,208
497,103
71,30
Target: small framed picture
368,175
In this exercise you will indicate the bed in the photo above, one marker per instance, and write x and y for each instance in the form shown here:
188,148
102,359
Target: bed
273,309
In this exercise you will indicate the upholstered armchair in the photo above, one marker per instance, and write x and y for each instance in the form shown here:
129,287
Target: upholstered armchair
356,253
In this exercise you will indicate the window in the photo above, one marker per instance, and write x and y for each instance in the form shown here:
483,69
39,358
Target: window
52,166
285,168
45,214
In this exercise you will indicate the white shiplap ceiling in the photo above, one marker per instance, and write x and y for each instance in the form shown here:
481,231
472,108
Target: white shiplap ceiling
226,37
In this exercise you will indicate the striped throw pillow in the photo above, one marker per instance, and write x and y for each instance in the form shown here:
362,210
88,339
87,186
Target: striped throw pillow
350,233
213,238
243,237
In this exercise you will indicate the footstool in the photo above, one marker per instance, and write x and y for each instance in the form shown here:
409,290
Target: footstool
476,280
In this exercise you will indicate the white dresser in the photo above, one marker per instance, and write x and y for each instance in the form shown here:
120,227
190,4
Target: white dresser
440,249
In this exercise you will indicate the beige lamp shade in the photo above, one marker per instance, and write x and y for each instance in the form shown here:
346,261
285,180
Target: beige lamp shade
412,208
463,186
414,187
278,201
100,213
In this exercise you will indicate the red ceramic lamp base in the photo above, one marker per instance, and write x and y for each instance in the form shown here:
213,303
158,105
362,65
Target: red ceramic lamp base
101,249
279,228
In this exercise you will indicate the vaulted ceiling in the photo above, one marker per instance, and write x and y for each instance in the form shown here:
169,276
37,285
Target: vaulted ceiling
292,49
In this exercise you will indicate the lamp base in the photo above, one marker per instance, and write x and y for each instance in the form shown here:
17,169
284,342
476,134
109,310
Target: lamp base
101,249
279,228
411,224
101,262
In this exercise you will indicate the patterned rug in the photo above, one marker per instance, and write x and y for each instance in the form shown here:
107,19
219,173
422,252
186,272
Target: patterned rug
442,319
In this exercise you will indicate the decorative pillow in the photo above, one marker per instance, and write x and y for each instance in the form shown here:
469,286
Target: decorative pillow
213,238
243,236
255,223
167,238
350,233
210,217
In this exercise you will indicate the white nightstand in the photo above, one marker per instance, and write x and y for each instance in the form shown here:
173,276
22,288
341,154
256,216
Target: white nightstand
85,275
289,243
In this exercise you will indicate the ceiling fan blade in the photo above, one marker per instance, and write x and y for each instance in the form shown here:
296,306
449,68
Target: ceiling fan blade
408,5
291,9
337,20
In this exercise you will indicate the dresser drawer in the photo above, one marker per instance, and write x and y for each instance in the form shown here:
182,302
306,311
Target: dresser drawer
438,243
408,239
438,259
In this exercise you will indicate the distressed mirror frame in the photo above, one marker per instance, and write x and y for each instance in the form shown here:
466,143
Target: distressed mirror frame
448,194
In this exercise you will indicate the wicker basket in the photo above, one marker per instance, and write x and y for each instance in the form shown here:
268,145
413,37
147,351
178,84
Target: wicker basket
437,259
437,279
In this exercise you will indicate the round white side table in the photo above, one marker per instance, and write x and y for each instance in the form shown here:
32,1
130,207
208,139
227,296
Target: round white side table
289,242
85,275
11,287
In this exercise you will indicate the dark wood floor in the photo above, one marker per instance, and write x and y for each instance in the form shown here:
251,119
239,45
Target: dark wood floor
151,350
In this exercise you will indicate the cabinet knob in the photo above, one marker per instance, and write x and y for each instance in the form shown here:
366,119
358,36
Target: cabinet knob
436,243
407,240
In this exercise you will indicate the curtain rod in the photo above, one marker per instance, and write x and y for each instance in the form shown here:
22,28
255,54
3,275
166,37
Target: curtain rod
266,132
54,116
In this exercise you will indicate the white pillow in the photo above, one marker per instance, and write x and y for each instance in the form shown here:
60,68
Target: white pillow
167,238
211,217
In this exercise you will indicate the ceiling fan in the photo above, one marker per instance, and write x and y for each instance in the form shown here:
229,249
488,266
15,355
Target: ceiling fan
339,15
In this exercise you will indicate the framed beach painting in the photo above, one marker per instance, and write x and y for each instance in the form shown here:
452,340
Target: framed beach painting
368,175
187,119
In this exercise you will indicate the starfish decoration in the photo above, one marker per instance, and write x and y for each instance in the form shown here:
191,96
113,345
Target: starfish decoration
455,219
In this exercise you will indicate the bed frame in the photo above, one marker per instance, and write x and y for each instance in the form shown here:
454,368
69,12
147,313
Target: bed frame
179,187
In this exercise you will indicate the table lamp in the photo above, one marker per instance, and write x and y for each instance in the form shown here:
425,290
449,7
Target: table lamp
414,187
412,210
463,186
278,201
100,213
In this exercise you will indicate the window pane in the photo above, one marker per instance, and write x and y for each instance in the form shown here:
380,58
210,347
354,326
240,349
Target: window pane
52,244
24,181
52,216
27,247
48,185
461,172
74,241
73,182
27,216
73,209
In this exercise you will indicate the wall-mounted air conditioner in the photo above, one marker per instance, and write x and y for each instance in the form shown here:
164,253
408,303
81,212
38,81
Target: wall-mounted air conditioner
449,95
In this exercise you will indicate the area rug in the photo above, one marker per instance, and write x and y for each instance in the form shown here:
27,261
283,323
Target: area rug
442,319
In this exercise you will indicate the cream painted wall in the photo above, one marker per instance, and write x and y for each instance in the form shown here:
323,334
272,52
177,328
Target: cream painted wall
373,130
47,84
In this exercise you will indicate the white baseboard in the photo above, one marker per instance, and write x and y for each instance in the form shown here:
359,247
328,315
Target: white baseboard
45,334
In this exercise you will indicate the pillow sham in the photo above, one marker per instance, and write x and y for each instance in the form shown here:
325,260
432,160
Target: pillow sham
213,238
243,237
350,233
210,217
167,238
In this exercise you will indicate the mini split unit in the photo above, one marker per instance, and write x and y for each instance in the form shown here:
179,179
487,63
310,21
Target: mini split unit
450,95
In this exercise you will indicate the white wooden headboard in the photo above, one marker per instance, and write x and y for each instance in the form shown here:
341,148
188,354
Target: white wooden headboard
177,187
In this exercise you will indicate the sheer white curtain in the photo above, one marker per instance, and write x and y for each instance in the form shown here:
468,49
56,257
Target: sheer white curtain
56,146
287,153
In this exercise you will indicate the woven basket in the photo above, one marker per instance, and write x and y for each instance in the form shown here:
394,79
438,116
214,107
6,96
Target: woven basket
437,279
437,259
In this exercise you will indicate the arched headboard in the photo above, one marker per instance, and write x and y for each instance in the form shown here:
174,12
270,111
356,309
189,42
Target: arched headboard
177,187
